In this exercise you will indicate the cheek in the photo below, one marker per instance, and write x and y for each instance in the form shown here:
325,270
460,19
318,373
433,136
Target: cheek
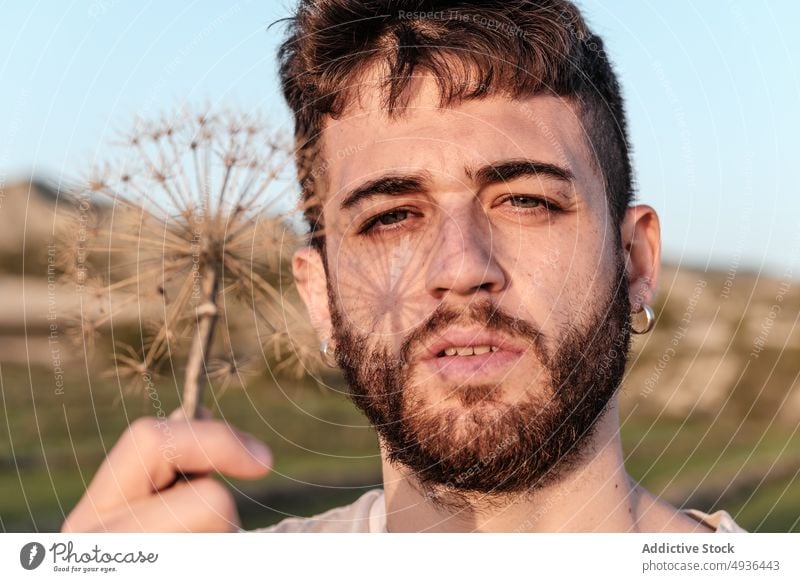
378,286
555,277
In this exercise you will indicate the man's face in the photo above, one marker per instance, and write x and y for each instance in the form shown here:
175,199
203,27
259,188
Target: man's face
475,285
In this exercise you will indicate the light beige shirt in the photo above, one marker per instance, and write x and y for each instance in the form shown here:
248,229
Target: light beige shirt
367,514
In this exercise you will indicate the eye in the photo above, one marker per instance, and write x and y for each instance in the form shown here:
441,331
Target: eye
390,220
525,201
393,217
529,204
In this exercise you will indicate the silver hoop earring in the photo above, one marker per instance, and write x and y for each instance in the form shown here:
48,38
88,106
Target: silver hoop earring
650,320
328,353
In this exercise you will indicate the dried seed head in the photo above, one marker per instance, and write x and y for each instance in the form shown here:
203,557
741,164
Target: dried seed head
190,198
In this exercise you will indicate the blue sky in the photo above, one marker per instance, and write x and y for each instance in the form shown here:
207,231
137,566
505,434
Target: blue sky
712,89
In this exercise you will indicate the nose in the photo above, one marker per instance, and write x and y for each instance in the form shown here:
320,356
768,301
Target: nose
464,258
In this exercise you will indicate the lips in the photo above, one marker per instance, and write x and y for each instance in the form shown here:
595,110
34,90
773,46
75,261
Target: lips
470,343
463,354
468,350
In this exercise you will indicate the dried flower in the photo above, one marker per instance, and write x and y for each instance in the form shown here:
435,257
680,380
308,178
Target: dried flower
190,230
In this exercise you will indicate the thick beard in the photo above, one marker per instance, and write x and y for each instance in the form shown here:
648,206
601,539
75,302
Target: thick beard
500,448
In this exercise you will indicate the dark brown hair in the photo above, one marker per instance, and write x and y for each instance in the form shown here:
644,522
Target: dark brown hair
473,49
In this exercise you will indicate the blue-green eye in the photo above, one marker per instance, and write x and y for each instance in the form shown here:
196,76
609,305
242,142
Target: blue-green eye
526,201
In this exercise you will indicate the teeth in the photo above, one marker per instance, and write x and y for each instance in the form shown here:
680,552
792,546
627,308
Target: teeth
469,350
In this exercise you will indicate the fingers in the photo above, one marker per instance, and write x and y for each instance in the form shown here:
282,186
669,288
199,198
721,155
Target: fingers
198,505
153,451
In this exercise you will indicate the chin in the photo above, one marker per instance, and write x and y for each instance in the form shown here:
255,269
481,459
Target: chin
464,417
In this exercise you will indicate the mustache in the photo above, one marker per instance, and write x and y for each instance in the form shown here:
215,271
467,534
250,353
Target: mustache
484,313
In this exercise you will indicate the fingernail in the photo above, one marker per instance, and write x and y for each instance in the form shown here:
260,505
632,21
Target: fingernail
259,451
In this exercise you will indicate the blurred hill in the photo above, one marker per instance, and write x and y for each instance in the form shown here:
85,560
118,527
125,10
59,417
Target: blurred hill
28,216
723,341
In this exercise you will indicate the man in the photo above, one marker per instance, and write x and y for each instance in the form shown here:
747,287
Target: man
475,267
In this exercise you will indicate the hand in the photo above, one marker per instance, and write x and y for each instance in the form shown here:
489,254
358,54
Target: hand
139,487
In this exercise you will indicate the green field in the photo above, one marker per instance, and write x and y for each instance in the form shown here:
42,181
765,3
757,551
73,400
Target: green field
325,455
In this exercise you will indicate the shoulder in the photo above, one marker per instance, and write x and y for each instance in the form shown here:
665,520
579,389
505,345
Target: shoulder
657,515
366,514
720,521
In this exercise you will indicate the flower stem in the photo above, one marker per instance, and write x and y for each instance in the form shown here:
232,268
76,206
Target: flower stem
206,315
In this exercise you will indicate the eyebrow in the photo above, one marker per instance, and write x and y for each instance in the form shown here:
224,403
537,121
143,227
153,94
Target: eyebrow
519,168
499,172
392,184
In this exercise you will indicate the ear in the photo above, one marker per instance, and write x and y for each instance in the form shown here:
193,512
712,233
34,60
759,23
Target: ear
641,241
309,275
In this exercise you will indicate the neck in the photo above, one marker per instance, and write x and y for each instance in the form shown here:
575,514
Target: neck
596,495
